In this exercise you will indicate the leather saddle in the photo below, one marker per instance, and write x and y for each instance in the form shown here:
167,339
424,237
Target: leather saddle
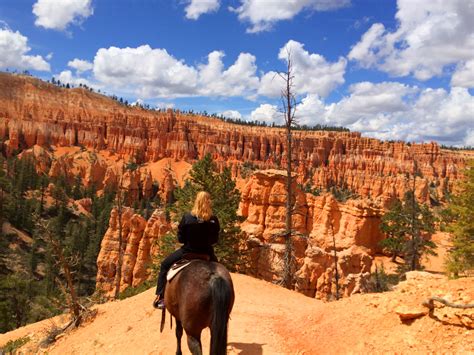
187,259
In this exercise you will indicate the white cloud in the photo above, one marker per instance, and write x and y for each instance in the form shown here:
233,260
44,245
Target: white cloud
197,8
391,111
239,79
431,35
311,111
13,52
137,102
164,105
67,77
236,115
313,74
58,14
469,139
148,72
144,71
370,100
80,65
464,75
153,72
267,113
262,14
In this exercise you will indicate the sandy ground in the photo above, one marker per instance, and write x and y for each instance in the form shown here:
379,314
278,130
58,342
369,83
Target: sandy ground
268,319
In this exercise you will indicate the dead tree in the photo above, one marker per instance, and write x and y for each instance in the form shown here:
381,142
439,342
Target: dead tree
336,272
119,199
288,99
66,266
414,262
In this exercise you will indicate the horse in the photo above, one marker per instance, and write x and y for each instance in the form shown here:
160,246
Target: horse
200,296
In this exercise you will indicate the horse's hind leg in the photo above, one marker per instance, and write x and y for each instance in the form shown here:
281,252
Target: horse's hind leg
194,344
179,335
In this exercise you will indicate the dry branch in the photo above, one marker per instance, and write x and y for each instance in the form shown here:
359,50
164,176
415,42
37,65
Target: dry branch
430,303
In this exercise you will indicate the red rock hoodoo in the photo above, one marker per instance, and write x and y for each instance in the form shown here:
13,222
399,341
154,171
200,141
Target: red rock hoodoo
77,133
33,112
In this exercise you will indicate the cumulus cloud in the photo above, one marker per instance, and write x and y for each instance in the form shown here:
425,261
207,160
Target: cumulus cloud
430,36
367,99
239,79
391,111
311,111
469,139
144,71
80,65
267,113
262,14
196,8
313,74
14,52
59,14
164,105
464,75
236,115
67,77
149,72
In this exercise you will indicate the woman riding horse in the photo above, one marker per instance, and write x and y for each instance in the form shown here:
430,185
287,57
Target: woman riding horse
198,231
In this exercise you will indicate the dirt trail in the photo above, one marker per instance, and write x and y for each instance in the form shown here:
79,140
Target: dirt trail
268,319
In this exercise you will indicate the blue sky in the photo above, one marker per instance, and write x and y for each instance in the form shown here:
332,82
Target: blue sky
391,69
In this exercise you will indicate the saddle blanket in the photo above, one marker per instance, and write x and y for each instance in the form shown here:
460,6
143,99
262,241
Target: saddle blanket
177,267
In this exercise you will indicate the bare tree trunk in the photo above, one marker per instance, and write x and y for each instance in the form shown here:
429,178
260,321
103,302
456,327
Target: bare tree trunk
1,207
74,303
118,274
42,197
289,106
414,237
336,272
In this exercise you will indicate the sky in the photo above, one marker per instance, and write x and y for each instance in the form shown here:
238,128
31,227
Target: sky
391,69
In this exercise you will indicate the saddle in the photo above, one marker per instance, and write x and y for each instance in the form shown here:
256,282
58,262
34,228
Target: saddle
187,259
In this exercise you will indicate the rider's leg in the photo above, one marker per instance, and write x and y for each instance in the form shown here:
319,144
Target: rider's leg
213,256
165,266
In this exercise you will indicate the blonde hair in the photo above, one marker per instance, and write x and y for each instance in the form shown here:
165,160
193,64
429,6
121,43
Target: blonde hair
202,206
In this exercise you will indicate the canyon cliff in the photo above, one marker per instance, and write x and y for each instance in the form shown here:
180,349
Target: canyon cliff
87,137
33,112
322,224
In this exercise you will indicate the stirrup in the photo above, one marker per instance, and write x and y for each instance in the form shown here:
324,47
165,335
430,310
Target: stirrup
159,303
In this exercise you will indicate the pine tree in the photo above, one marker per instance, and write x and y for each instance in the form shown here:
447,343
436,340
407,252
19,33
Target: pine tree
395,230
407,225
460,215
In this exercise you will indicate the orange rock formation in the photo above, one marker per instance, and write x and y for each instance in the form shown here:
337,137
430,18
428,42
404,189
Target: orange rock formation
354,226
33,112
138,236
74,132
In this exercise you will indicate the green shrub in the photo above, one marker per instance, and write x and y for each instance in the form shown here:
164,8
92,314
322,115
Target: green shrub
13,345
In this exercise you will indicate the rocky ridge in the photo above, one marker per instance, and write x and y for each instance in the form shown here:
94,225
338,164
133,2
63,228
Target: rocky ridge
33,112
76,133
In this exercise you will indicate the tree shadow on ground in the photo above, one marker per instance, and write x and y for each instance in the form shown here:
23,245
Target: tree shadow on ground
248,348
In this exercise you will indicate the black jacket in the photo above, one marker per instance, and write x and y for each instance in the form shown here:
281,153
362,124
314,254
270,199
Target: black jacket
197,235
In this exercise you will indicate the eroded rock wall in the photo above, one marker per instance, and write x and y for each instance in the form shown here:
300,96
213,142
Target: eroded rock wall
139,237
33,112
321,224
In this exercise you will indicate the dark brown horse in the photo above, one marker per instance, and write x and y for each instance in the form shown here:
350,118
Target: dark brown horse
201,296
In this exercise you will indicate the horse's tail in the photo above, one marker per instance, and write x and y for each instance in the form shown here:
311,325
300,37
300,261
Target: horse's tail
221,298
